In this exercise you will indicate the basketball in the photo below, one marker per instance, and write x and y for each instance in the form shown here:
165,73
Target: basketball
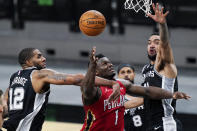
92,23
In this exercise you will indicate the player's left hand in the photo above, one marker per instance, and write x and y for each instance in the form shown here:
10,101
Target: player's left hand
116,93
159,16
180,95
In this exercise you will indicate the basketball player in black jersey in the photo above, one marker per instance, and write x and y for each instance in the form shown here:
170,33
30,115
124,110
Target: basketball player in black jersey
161,72
29,88
134,109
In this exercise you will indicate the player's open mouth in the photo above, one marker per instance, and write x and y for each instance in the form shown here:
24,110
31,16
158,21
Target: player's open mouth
44,64
152,51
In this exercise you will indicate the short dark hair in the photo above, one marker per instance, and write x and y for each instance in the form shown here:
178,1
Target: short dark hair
155,33
99,56
24,55
120,66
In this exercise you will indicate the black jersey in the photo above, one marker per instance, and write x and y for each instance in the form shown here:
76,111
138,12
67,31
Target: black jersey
26,107
134,118
159,111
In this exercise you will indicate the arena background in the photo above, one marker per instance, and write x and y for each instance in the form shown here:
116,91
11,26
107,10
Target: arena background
52,27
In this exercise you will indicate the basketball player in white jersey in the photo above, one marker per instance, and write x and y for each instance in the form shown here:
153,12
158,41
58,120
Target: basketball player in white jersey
161,72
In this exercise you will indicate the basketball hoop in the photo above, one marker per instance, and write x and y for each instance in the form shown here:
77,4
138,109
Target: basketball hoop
138,5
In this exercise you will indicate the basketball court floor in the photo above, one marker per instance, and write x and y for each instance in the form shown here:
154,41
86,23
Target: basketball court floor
60,126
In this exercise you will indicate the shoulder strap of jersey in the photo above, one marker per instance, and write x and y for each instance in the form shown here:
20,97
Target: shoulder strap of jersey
144,68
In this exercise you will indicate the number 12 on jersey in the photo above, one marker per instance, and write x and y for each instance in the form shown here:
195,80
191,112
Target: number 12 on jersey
16,98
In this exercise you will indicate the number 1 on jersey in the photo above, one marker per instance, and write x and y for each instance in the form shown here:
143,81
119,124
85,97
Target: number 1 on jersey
116,120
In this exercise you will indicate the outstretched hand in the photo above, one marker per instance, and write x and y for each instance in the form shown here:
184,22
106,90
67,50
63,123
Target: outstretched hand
180,95
116,93
159,16
93,59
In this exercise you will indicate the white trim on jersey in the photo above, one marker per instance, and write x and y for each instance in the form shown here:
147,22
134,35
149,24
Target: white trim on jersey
169,123
25,124
31,75
157,72
144,68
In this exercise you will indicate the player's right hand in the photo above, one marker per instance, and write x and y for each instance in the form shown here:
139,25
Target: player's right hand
93,59
159,16
180,95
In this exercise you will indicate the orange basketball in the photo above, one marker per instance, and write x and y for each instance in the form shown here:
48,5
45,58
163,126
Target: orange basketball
92,23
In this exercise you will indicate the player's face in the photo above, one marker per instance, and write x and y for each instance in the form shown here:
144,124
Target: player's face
105,68
153,44
126,73
38,59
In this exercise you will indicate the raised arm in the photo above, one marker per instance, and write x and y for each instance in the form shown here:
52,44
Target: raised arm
90,84
164,54
89,91
153,92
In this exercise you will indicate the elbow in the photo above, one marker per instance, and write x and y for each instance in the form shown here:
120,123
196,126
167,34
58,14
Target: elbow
5,112
87,94
79,79
5,115
81,76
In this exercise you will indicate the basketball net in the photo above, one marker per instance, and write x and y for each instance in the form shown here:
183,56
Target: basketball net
138,5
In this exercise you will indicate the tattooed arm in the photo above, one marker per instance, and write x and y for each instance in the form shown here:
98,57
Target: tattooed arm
40,78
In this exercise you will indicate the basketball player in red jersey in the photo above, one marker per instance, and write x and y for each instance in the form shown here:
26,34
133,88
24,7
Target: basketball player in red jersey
29,89
103,114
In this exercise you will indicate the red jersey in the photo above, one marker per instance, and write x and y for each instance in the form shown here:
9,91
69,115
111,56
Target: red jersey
105,116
